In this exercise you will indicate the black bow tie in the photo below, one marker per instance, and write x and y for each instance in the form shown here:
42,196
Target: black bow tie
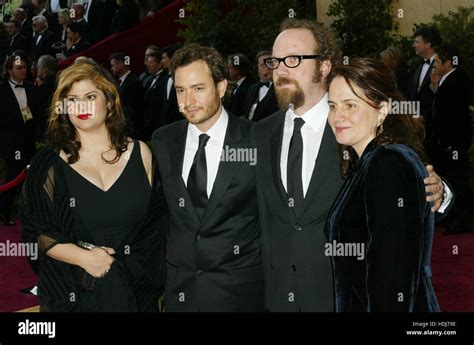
428,61
17,85
267,84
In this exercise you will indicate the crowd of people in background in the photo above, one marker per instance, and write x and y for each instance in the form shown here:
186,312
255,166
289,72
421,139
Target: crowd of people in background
36,34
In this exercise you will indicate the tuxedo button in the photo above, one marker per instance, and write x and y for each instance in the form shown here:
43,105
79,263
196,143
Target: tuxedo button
198,237
200,272
298,227
293,267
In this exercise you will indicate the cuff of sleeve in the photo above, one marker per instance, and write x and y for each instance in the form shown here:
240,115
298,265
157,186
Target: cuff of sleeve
448,196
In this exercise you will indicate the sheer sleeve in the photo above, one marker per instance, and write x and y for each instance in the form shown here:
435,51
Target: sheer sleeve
36,208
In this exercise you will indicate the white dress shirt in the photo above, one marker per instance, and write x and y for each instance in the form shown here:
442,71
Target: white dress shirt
312,134
262,92
424,70
20,95
168,86
213,149
155,78
54,6
122,78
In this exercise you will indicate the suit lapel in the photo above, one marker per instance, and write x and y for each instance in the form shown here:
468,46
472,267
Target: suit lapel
13,98
176,163
326,156
427,78
276,141
226,169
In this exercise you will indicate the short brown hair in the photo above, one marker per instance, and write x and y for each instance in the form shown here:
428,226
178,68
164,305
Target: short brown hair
195,52
325,41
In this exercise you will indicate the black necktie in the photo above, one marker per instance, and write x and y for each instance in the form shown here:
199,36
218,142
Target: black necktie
428,61
197,179
260,84
294,167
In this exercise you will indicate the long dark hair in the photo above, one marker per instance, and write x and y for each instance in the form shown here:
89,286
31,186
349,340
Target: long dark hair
61,132
378,85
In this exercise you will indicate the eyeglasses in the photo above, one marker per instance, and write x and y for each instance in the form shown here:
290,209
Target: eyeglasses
291,61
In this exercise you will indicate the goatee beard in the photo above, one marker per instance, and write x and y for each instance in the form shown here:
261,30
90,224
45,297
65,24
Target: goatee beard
288,98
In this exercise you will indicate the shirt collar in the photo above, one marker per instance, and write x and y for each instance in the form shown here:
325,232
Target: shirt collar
445,76
14,83
122,78
316,117
240,81
216,132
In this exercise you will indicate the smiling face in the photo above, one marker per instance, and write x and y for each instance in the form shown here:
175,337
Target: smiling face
87,106
299,86
199,98
351,118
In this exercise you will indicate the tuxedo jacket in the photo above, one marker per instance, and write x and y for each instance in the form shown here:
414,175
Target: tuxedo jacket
14,133
267,106
131,93
20,42
213,264
78,47
44,45
423,94
171,107
154,104
451,118
298,275
237,102
27,30
44,97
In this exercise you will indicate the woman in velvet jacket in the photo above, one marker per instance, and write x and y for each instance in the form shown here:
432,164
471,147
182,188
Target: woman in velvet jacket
380,227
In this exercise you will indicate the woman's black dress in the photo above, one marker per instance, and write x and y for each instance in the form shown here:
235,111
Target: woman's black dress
109,216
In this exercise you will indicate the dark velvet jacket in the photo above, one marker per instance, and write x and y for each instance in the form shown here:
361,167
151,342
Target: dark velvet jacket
48,220
382,206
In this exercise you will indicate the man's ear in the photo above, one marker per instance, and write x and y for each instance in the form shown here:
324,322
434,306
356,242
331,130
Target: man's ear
221,87
325,68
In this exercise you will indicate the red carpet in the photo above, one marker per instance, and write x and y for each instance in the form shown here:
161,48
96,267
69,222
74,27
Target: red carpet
453,276
15,274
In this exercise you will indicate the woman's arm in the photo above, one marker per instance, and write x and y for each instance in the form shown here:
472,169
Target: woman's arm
395,245
96,261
